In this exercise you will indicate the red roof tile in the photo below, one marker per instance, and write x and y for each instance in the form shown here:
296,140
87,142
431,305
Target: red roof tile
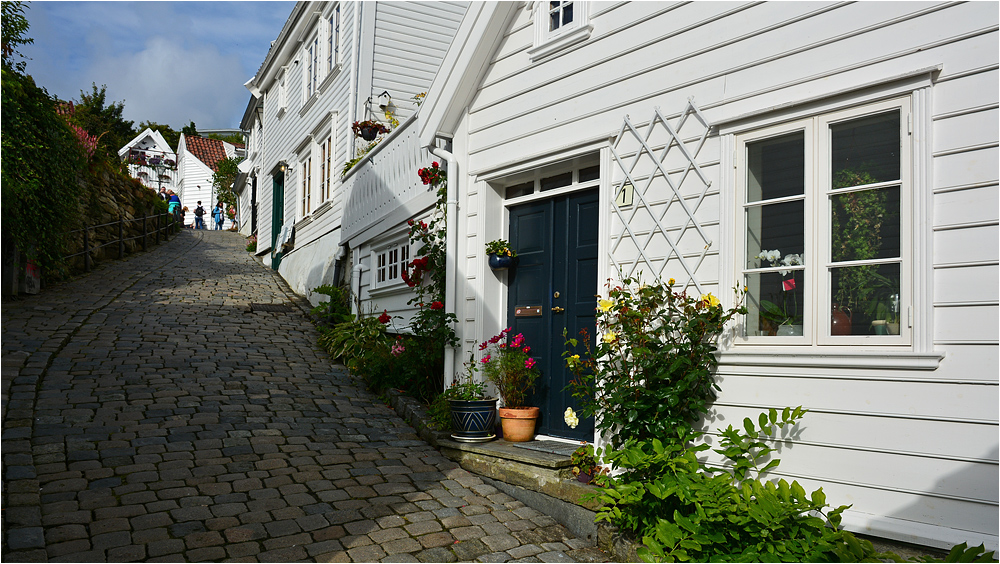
208,151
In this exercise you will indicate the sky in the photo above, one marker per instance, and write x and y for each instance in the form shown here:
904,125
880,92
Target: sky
170,62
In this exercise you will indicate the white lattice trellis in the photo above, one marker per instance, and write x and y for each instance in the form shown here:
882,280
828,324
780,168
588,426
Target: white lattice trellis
658,190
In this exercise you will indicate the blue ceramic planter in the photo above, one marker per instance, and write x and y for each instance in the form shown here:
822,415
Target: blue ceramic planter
473,420
502,262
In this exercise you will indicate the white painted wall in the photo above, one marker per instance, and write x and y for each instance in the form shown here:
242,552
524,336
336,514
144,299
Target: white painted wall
915,450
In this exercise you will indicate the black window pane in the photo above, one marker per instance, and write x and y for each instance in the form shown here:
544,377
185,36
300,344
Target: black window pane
865,150
776,167
865,300
590,173
519,190
778,231
864,225
557,181
567,13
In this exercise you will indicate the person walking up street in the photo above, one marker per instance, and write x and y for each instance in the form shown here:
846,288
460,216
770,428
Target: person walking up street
218,214
199,216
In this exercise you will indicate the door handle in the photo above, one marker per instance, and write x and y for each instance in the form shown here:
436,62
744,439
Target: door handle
558,309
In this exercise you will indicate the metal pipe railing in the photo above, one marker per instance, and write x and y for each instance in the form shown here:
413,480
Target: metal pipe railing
166,224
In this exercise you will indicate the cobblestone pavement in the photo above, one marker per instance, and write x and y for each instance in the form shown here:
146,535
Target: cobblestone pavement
149,417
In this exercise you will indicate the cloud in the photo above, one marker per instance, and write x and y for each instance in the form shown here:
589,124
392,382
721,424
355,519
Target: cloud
171,83
171,62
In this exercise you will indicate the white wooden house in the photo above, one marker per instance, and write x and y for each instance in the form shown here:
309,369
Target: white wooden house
686,140
335,63
197,160
151,160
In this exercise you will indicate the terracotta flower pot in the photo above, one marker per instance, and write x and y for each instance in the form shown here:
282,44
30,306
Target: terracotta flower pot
518,423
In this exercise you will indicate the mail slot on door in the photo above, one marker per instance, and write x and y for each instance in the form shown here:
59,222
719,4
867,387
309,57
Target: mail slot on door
527,311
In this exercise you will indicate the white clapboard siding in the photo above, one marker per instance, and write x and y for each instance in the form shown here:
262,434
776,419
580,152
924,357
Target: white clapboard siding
915,451
411,39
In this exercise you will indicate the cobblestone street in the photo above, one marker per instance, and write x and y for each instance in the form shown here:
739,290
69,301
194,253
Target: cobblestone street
149,416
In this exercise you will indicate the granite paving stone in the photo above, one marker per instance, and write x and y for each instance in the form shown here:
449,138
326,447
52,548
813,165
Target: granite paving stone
153,417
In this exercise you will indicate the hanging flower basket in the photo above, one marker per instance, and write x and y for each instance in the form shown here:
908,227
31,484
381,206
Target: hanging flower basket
368,129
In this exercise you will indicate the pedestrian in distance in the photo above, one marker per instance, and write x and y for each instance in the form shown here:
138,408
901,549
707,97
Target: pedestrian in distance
219,215
199,216
173,204
184,211
163,194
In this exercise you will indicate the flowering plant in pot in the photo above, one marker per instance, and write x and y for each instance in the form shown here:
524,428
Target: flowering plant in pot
513,372
368,129
501,255
473,411
585,466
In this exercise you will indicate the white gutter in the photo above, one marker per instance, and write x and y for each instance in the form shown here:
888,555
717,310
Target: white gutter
451,249
356,288
355,62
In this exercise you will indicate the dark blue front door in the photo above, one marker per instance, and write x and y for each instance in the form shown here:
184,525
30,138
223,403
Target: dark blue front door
556,241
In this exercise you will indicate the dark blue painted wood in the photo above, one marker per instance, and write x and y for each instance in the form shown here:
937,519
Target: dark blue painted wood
556,241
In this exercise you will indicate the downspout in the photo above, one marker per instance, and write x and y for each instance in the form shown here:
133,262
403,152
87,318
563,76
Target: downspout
355,63
451,249
356,289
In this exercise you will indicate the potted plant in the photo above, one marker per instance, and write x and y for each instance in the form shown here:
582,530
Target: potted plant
502,256
368,129
513,372
784,320
585,466
473,412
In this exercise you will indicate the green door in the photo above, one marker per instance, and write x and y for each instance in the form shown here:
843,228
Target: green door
277,215
556,241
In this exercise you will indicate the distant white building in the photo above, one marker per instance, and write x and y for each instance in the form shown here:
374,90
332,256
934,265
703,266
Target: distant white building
151,160
197,161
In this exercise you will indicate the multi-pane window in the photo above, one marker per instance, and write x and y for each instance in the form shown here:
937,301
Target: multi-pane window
390,264
560,15
826,251
312,71
325,168
333,48
283,92
306,168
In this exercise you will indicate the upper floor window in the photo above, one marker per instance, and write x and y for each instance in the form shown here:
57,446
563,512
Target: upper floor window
559,25
283,92
333,40
312,67
325,166
825,226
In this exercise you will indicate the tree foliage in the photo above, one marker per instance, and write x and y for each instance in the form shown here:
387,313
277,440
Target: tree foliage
189,130
103,120
225,174
14,27
42,158
232,138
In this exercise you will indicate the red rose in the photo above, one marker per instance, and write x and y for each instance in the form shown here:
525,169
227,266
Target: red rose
384,318
437,305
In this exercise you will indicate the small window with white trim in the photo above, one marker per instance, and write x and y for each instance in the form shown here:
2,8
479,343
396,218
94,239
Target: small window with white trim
305,167
333,40
390,263
825,247
283,92
559,25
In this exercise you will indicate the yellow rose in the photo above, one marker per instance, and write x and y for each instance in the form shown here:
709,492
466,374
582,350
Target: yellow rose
709,300
671,282
610,337
605,305
571,361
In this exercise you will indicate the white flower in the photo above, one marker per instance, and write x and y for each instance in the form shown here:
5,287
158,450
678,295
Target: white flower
791,260
570,418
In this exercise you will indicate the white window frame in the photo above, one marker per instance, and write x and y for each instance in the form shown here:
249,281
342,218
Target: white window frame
326,150
389,262
818,307
310,76
333,41
305,185
283,92
548,42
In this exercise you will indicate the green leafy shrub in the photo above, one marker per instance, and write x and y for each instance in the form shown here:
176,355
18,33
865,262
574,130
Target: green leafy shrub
359,343
336,310
656,353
